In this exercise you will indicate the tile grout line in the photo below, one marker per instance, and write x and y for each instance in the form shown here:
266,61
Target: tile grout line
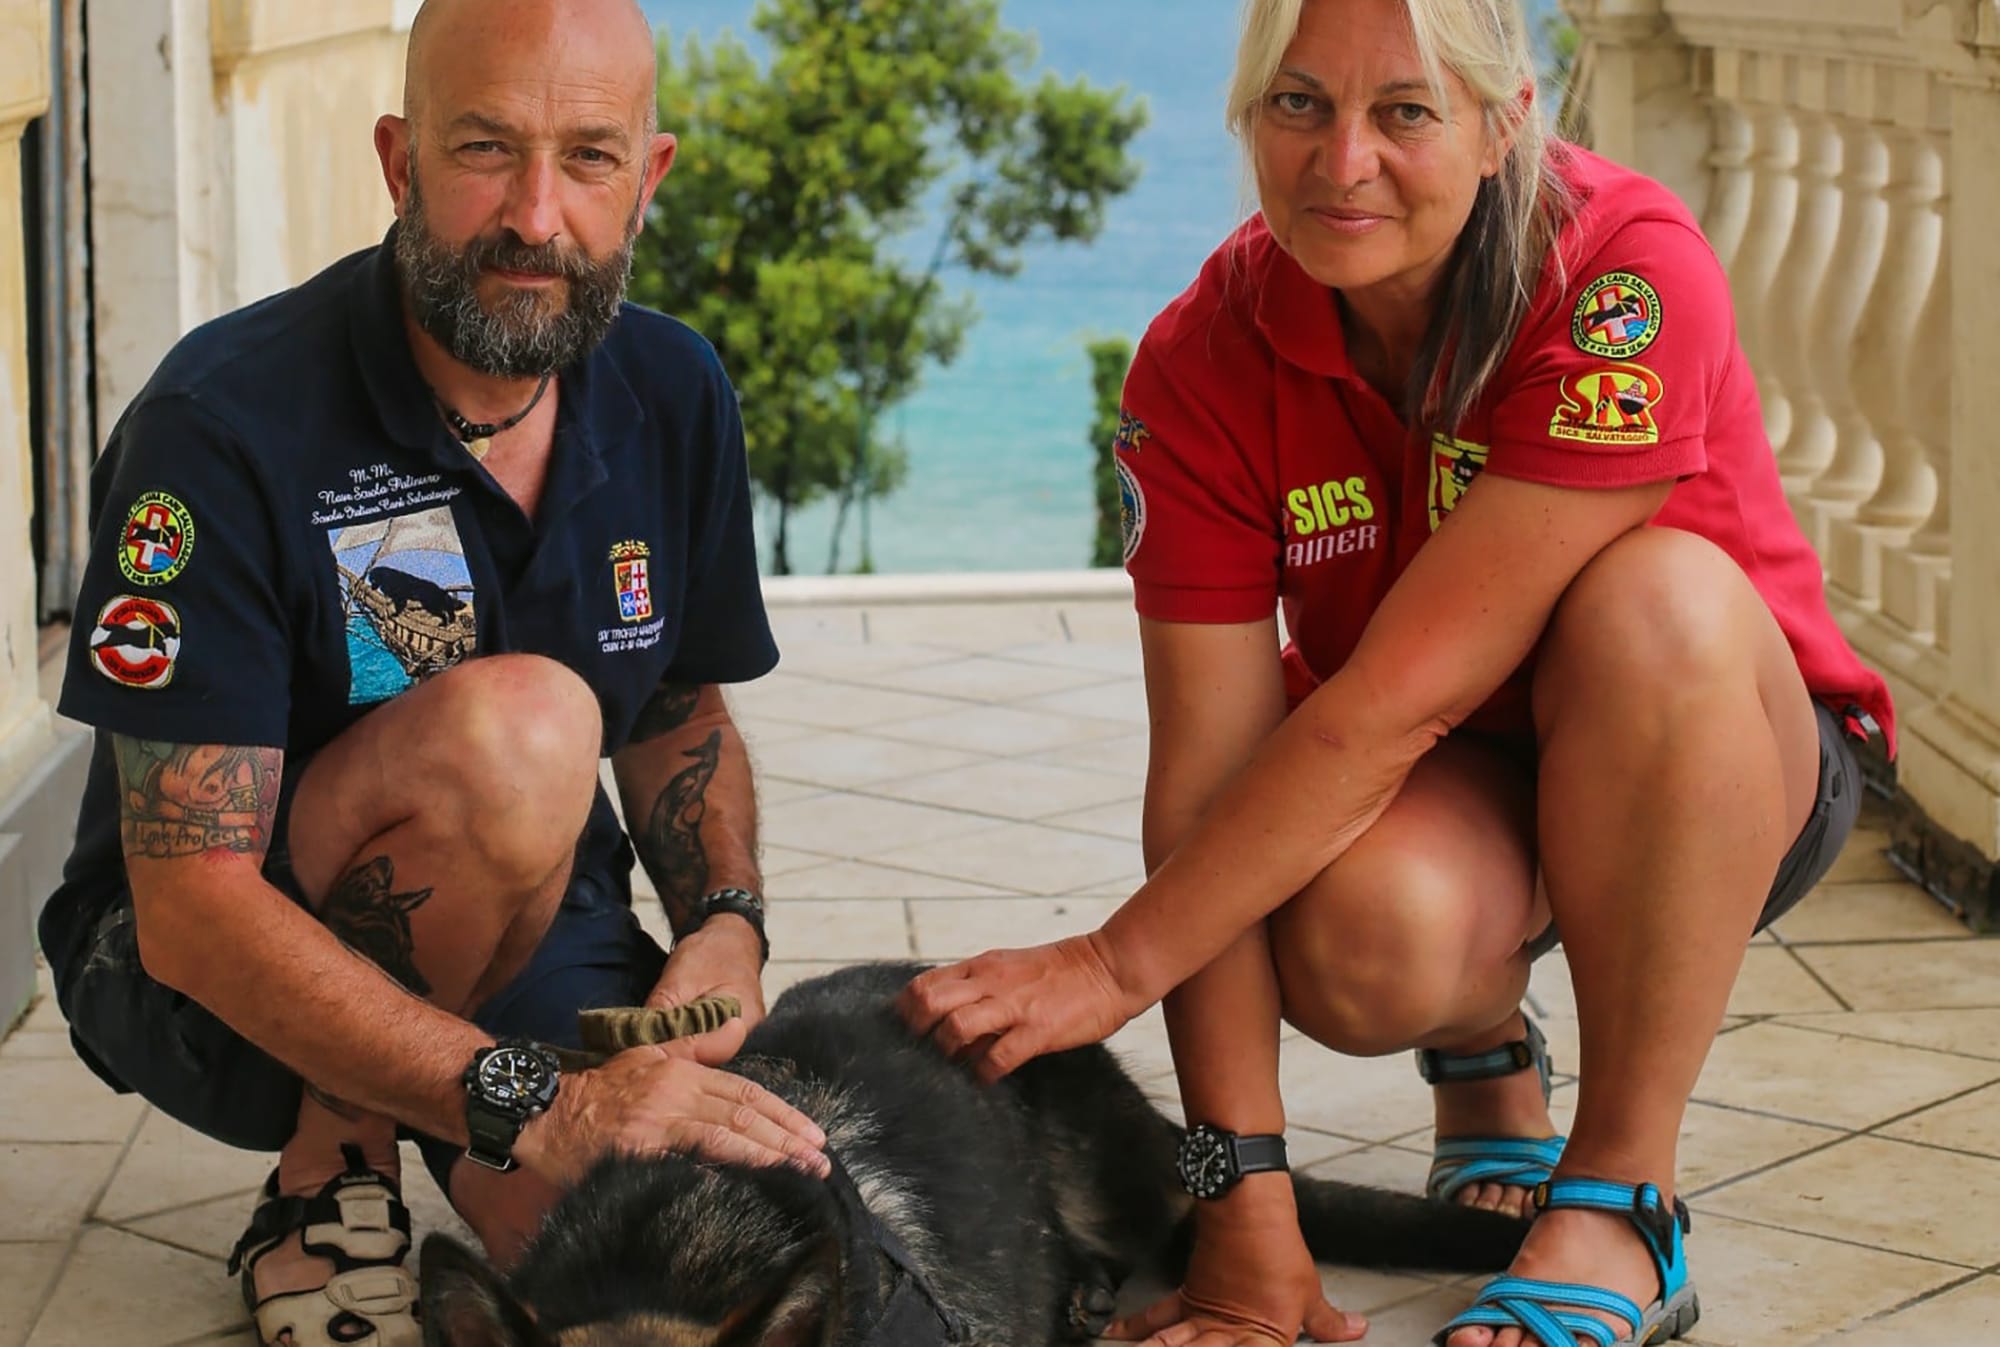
1813,973
1972,1268
83,1227
1921,1297
1785,1021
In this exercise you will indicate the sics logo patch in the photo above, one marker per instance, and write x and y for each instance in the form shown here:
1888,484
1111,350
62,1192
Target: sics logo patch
631,574
136,642
1617,317
1455,465
1131,510
158,539
1611,404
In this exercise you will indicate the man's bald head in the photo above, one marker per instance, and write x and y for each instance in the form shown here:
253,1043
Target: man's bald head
455,44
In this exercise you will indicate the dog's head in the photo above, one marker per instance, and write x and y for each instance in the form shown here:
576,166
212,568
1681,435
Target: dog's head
659,1253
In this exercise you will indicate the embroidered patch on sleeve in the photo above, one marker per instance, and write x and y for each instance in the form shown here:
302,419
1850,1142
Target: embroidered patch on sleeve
136,642
1455,465
158,539
1131,510
1132,433
1617,317
1609,404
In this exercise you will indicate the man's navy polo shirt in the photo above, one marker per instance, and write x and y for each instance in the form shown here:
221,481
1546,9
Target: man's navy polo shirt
285,536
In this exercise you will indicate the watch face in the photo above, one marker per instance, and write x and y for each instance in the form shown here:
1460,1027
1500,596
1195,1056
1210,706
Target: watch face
1204,1163
515,1078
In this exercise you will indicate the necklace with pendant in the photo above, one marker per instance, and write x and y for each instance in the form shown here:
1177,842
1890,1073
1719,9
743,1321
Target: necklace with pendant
477,437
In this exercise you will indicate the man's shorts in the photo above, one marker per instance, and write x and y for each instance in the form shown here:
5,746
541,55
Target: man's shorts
1819,842
145,1038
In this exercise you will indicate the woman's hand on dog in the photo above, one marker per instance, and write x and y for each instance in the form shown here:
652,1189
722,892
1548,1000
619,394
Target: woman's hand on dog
1250,1280
1002,1009
669,1097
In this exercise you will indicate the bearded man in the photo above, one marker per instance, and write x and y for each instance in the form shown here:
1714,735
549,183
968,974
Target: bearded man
383,567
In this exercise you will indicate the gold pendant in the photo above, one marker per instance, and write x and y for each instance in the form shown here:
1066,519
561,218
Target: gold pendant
477,448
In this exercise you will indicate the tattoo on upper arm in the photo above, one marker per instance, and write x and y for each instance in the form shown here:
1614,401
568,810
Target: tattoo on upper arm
670,707
373,920
671,844
187,799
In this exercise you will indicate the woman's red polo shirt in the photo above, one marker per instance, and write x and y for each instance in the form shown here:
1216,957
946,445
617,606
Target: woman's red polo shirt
1257,467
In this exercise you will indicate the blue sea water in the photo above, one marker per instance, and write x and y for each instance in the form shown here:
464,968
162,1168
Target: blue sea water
1000,459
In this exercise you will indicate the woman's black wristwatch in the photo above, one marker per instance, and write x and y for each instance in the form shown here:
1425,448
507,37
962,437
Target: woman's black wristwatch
743,903
1213,1161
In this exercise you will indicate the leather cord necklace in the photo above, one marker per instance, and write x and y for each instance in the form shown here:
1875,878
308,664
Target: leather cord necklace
477,437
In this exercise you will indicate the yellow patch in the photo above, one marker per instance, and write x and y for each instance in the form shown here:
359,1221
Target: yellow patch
1609,404
1455,465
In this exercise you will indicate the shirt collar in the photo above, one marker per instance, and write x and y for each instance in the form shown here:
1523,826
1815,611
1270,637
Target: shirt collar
598,409
1297,315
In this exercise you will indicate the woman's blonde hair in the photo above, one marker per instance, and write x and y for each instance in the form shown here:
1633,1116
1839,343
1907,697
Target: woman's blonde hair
1516,216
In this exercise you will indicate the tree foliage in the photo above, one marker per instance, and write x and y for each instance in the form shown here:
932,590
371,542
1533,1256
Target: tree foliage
1110,359
789,230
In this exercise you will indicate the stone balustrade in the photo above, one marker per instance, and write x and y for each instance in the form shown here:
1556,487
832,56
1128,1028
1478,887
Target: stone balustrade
1843,157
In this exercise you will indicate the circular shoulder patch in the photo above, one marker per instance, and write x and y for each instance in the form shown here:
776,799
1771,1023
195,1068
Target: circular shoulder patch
1131,509
158,539
136,641
1617,317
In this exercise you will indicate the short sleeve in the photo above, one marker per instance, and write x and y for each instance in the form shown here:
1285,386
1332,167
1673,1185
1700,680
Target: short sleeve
1201,538
725,632
1614,386
180,633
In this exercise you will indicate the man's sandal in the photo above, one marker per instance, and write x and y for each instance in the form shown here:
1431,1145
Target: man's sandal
1459,1163
359,1223
1530,1305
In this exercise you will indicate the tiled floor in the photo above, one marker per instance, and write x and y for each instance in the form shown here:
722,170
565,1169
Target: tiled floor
942,779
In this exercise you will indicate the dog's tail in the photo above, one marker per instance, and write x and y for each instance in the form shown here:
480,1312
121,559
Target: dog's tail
1374,1227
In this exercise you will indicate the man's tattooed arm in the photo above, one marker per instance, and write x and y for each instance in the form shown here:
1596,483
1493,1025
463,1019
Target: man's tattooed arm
191,800
685,778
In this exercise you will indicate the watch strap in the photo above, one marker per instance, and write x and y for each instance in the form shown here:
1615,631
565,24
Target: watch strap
1259,1154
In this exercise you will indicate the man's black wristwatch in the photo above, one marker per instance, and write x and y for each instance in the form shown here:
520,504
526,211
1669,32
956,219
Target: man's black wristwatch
506,1085
1213,1161
743,903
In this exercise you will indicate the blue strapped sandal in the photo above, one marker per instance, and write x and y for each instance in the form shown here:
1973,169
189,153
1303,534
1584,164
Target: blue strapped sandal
1529,1305
1519,1162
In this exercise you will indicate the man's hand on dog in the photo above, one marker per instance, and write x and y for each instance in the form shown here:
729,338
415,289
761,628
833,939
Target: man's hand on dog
669,1097
1004,1008
723,958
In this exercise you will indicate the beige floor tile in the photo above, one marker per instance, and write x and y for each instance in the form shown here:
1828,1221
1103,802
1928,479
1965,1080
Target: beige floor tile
762,734
1771,982
839,930
1973,1033
1392,1167
858,879
58,1099
1102,621
843,658
1010,788
1002,730
775,861
1934,975
1960,1317
1719,1143
862,827
1367,1291
209,1228
830,705
1374,1098
1879,911
26,1271
1123,756
1863,860
775,790
1837,1082
961,928
966,627
1026,857
844,761
170,1166
1887,1194
36,1045
819,624
1968,1123
1114,657
1774,1288
1122,700
985,679
46,1188
120,1288
1410,1323
781,976
45,1016
1124,819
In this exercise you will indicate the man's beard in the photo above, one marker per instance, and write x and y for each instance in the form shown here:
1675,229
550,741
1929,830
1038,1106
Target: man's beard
530,332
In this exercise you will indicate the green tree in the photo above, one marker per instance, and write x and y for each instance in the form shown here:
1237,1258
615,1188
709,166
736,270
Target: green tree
784,232
1110,359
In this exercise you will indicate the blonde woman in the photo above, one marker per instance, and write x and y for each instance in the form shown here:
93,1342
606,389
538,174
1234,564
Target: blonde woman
1469,406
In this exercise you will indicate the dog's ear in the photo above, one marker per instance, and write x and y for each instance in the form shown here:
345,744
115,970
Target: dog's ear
466,1304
